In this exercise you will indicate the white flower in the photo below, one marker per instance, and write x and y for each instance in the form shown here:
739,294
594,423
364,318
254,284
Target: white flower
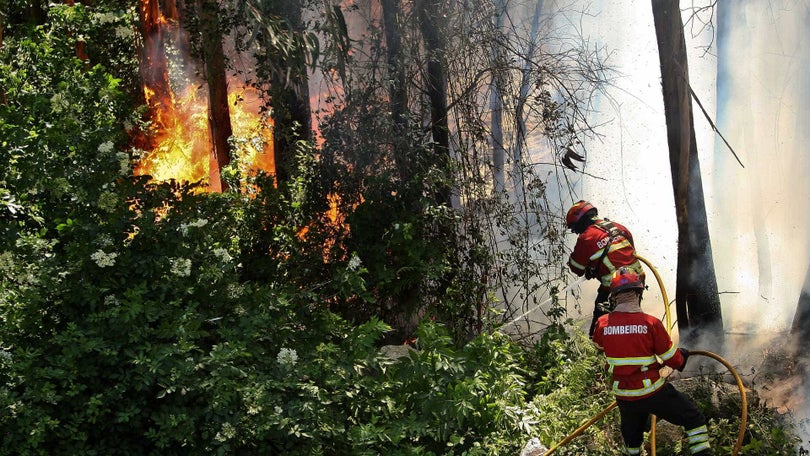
181,267
104,240
111,300
106,147
123,163
235,291
5,355
228,432
124,32
287,357
58,103
105,18
196,224
278,410
222,254
6,261
354,262
103,259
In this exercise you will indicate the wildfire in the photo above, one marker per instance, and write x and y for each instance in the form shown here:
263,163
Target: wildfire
182,142
178,144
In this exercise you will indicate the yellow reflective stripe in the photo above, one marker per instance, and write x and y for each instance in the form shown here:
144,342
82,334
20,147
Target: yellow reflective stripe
596,254
698,439
611,248
698,448
631,451
698,430
577,265
669,353
649,387
638,361
620,245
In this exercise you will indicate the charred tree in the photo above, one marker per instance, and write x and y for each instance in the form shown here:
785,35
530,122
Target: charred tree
800,330
219,118
154,67
428,13
397,86
286,71
696,298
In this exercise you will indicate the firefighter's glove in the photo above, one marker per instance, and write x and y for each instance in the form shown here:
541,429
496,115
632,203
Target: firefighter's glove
685,354
590,272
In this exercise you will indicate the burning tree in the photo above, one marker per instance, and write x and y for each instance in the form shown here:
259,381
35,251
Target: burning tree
192,130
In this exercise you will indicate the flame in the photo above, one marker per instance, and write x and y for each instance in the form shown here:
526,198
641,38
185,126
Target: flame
182,142
178,141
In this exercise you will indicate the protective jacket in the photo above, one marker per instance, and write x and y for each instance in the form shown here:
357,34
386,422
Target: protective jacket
590,259
636,346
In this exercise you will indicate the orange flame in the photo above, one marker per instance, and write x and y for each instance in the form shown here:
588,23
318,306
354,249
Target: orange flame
178,143
182,139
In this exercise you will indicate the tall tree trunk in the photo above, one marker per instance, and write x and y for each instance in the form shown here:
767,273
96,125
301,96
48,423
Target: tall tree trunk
397,86
154,67
520,117
496,102
428,12
289,92
219,118
696,297
173,12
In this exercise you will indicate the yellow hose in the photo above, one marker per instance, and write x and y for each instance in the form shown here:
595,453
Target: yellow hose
668,319
744,405
579,430
667,315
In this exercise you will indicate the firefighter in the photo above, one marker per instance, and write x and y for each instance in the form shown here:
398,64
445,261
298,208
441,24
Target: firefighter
602,247
635,345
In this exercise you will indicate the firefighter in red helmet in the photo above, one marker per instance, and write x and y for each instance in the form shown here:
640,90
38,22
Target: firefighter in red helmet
636,346
602,247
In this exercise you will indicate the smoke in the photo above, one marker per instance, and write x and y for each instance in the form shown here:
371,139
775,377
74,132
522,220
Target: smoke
760,213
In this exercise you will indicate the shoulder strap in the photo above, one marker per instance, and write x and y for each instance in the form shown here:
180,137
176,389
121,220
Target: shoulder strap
608,227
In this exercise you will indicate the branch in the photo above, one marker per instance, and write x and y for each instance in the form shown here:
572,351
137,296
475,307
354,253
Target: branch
694,96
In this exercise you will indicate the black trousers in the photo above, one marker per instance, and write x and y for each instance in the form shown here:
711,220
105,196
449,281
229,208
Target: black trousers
667,404
600,305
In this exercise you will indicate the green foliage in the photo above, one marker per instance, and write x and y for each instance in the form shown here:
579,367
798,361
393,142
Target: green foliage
570,387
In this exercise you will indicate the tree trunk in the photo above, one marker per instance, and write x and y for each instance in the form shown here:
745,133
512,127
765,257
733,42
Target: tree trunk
697,300
219,119
397,86
428,14
525,86
289,92
496,103
154,67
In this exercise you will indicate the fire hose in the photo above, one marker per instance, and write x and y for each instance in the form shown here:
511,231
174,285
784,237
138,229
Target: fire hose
611,406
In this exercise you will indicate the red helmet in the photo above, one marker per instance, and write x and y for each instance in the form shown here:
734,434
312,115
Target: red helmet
625,279
578,211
